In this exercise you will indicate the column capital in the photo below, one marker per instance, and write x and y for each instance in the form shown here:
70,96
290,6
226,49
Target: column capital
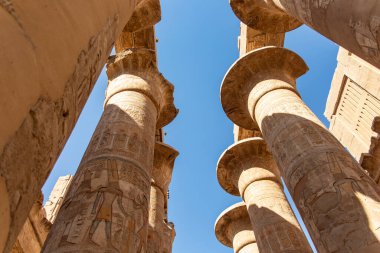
163,163
139,64
146,14
263,15
233,227
243,84
245,162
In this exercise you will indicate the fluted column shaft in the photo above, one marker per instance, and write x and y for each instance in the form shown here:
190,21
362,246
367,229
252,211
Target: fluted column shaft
337,201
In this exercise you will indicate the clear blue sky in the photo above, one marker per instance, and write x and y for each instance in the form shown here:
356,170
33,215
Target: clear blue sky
197,44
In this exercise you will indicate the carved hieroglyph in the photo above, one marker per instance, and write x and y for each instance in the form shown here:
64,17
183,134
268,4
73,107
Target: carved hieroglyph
52,53
54,203
248,170
106,209
353,24
233,229
338,202
161,232
251,39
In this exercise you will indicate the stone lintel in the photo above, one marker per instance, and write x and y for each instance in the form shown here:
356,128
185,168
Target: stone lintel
233,227
264,16
139,64
243,163
240,84
147,13
163,163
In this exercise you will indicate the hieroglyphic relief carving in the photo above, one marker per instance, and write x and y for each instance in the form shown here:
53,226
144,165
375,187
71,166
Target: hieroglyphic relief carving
107,206
335,197
338,201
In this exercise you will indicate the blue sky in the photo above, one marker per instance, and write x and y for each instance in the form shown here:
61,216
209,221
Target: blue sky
197,45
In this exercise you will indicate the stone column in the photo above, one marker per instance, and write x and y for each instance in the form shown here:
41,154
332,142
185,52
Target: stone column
106,208
248,170
339,203
353,24
233,229
52,53
161,233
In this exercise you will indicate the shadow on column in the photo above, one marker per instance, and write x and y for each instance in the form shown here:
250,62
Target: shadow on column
336,198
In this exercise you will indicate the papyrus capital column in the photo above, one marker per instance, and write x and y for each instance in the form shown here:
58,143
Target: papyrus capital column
107,206
161,233
233,229
248,170
352,24
338,202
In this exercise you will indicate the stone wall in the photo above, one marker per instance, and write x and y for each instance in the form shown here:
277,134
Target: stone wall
353,107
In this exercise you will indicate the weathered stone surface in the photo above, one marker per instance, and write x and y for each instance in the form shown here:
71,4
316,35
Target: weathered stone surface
338,202
144,38
248,169
161,233
352,24
57,195
353,108
106,208
262,15
249,40
146,14
233,229
34,232
142,61
52,53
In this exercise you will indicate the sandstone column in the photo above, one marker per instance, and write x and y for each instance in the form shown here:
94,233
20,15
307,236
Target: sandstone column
161,233
51,55
233,229
339,203
353,24
106,208
248,170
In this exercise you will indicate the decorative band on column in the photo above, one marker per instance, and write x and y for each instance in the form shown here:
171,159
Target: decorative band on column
245,162
140,64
